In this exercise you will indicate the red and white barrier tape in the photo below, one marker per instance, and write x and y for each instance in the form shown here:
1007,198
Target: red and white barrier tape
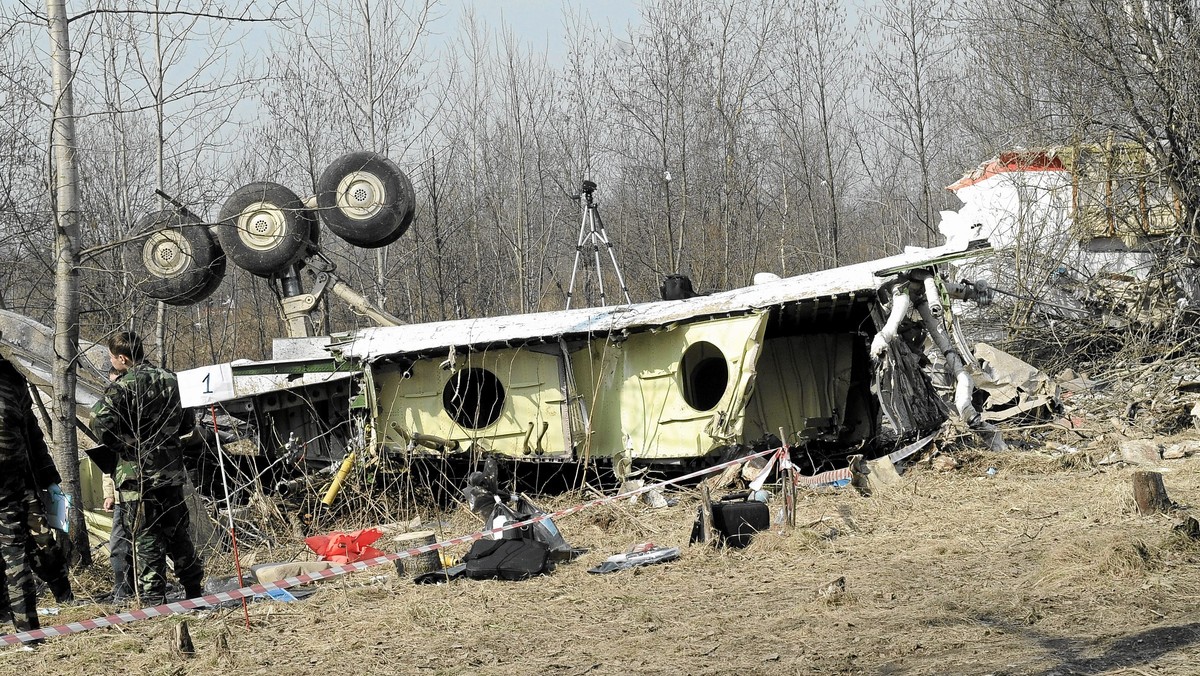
208,600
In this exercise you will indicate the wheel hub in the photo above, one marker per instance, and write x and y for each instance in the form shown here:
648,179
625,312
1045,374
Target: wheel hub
166,254
262,226
361,195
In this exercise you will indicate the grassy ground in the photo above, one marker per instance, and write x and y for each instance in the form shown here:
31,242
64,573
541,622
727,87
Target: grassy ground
1043,568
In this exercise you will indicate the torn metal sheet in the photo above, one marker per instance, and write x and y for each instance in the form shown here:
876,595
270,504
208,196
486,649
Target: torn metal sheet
202,386
1082,230
29,345
1013,386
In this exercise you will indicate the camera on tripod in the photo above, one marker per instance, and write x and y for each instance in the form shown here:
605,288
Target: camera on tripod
591,231
587,188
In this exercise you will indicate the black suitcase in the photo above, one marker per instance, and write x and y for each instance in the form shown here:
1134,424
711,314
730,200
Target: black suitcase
737,520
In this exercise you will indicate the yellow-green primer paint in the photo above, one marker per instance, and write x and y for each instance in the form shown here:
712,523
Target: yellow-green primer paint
638,393
529,419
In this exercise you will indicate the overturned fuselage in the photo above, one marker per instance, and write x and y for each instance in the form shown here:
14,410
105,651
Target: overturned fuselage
668,381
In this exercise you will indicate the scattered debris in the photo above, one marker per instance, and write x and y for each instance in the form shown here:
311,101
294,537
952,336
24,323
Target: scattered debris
883,476
943,463
832,593
1181,449
859,471
273,572
1013,386
342,548
645,554
737,518
507,560
1140,451
282,595
1189,527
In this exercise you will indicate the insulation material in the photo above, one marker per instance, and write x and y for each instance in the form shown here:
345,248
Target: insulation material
802,385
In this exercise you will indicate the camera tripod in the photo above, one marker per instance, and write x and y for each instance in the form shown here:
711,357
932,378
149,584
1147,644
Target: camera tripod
591,230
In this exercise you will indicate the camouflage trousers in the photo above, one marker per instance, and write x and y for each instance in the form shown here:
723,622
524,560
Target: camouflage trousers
158,522
20,592
46,557
120,555
43,556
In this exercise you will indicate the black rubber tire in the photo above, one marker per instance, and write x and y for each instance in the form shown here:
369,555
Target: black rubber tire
215,279
263,228
399,231
366,199
173,258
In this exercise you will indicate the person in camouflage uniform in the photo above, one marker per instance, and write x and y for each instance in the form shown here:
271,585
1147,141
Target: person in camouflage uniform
120,544
140,418
26,544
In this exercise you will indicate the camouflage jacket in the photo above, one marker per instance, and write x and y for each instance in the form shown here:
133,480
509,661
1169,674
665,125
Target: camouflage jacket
140,419
24,459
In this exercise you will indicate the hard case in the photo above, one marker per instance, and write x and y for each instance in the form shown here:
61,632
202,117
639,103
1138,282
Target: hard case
737,522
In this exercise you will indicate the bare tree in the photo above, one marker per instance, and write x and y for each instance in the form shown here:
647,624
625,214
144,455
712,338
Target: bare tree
817,80
372,55
910,75
66,273
651,83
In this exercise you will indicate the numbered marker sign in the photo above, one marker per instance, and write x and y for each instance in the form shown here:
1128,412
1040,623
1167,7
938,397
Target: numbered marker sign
205,385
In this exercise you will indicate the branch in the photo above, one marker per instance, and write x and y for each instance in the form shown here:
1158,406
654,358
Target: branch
150,12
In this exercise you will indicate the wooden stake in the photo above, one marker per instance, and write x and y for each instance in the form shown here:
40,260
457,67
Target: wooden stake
1149,493
706,521
182,644
859,470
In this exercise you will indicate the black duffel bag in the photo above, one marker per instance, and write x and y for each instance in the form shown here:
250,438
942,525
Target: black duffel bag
507,559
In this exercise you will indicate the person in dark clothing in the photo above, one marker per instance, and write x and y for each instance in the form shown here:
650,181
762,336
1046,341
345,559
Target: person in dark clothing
141,419
120,543
26,543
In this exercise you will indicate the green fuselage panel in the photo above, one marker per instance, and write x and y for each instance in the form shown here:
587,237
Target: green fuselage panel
678,392
802,386
519,417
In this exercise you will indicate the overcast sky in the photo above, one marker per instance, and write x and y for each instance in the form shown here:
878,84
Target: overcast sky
540,22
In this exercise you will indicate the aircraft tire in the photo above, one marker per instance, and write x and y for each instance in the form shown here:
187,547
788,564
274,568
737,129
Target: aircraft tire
366,199
264,228
173,258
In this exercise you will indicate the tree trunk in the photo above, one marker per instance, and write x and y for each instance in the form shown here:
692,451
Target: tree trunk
66,275
1149,493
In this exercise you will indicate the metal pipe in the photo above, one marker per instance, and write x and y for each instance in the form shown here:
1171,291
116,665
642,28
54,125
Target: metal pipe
359,303
901,304
964,385
933,296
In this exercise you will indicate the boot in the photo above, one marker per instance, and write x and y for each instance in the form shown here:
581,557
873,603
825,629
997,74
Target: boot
63,595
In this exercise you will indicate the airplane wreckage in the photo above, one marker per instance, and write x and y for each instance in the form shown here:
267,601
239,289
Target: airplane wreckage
829,360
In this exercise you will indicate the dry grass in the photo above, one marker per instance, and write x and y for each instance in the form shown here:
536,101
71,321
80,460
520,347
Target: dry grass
1043,568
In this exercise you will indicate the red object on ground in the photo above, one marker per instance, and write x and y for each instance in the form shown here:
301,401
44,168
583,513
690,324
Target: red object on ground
343,548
